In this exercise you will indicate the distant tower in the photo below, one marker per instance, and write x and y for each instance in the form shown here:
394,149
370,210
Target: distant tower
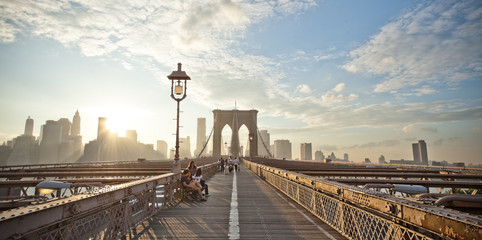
282,149
50,140
416,153
306,151
261,149
319,156
423,152
65,123
381,159
102,128
185,147
201,135
162,148
420,152
28,127
345,157
132,135
75,131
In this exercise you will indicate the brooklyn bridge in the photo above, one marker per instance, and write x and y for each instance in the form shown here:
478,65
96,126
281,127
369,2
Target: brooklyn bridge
267,199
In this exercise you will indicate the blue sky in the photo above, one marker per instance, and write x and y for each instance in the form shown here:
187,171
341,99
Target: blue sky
359,77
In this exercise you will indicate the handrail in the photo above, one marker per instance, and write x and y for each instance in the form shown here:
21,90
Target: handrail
108,213
364,214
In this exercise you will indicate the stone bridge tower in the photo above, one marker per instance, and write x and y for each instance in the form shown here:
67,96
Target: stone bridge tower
235,119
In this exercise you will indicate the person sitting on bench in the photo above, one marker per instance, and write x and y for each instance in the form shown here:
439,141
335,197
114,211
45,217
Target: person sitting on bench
187,182
199,179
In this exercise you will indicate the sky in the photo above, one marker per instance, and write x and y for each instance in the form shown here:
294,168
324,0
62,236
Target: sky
364,78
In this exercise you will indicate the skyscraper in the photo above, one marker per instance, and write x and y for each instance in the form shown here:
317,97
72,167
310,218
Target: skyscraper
50,140
185,147
102,128
381,159
306,152
75,131
264,135
423,152
416,153
319,156
65,124
201,135
28,127
282,149
162,148
131,135
24,149
420,155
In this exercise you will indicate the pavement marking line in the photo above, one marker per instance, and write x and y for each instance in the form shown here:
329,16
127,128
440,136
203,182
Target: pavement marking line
302,213
233,213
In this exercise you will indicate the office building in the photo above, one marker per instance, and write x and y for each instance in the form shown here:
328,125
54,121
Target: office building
381,160
162,148
263,143
185,148
102,128
319,156
28,127
75,131
306,152
201,136
65,125
282,149
420,156
131,135
50,140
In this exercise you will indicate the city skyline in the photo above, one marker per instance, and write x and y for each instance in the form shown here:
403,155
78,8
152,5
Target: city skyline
363,78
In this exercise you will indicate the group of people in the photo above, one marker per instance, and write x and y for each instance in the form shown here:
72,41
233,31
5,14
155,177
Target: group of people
228,165
192,178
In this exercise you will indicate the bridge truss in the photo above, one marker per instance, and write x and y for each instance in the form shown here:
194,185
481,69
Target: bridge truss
104,213
360,213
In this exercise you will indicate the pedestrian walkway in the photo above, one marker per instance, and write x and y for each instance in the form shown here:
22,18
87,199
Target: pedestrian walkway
241,206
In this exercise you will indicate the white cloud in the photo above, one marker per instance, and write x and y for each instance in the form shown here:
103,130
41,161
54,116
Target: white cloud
332,98
303,88
439,42
416,128
339,87
425,90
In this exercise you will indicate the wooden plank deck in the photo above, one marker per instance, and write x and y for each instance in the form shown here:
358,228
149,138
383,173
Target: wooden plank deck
263,213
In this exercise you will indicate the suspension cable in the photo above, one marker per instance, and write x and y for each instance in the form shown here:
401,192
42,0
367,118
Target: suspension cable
205,144
259,134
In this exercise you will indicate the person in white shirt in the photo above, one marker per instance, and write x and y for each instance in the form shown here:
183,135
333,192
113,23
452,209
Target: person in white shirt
199,178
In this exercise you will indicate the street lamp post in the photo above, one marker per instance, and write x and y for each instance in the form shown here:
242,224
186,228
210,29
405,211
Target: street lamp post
178,93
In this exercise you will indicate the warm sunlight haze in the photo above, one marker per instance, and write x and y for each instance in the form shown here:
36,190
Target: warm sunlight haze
362,78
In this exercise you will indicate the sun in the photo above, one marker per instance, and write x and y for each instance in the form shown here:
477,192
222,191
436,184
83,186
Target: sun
117,125
119,122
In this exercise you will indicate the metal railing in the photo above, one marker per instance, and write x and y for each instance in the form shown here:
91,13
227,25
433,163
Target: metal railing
109,213
364,214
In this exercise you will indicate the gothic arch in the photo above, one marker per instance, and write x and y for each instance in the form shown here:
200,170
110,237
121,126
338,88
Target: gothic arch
235,119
